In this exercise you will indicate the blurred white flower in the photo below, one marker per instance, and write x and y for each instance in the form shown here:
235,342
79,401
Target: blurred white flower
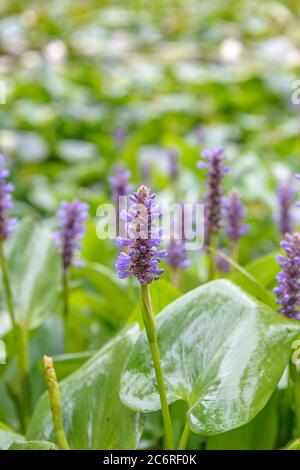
230,51
55,53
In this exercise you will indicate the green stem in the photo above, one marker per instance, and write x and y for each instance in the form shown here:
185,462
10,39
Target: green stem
65,282
184,437
21,341
235,252
149,322
65,306
55,403
7,288
297,406
176,277
294,387
212,255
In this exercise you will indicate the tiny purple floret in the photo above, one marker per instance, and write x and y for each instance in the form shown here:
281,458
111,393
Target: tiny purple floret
213,201
288,290
142,258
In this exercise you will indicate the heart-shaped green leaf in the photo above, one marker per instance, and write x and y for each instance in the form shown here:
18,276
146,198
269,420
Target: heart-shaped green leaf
94,417
34,268
222,352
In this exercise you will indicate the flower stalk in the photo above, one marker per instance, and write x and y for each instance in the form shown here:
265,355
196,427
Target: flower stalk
7,226
184,437
214,164
55,403
65,283
20,336
149,323
68,238
141,260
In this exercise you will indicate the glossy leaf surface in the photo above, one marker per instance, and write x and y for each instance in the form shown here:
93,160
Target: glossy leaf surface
7,437
222,352
35,272
94,417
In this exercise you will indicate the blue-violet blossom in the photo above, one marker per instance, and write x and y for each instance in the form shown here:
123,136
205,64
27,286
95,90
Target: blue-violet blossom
285,221
71,221
213,200
7,224
288,290
142,258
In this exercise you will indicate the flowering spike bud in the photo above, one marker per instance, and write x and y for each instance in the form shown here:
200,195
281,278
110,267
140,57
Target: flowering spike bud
288,290
7,224
286,194
55,403
68,239
120,182
213,200
234,212
142,258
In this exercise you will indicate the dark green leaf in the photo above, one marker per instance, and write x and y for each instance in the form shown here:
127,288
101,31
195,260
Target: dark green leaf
263,270
248,282
105,283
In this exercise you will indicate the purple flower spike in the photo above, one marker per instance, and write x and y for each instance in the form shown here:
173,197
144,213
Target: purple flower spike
68,239
119,182
213,200
285,220
177,258
173,163
142,258
7,224
234,212
288,290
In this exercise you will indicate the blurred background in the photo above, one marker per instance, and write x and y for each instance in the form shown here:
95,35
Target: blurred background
90,83
93,83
